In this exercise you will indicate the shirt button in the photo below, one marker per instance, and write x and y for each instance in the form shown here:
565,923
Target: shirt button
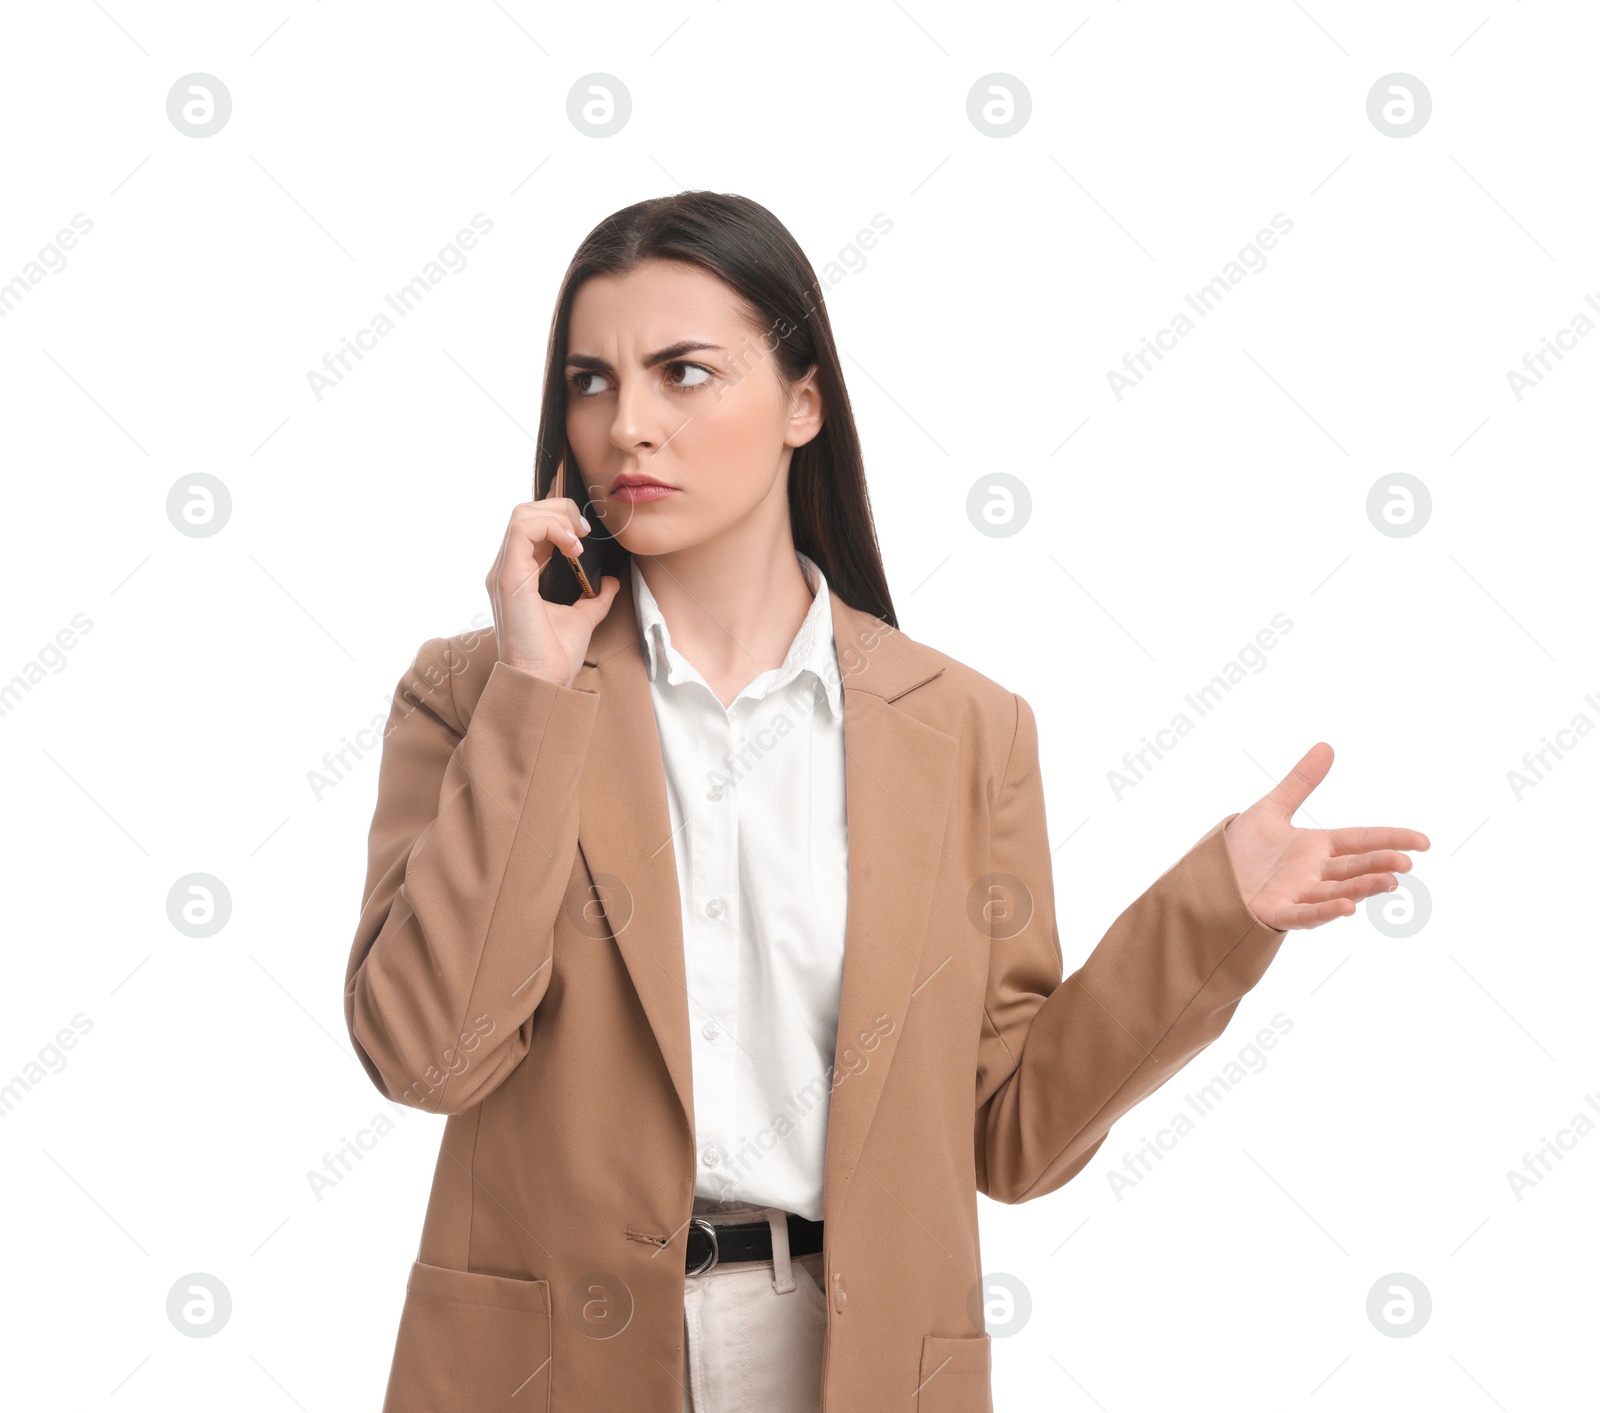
711,1030
838,1292
715,907
712,1156
716,792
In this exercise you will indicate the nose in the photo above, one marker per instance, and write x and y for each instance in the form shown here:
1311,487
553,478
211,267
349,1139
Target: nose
634,425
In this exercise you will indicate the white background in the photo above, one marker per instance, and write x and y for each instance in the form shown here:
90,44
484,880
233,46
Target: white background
1167,529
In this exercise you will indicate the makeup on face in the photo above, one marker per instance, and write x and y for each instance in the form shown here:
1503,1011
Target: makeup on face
633,488
663,372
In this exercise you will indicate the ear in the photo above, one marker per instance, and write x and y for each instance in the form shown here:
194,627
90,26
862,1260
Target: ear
806,412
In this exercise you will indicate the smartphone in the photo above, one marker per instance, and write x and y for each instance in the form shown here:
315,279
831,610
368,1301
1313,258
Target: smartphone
558,488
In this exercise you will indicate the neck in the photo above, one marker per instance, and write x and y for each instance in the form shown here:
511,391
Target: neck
732,604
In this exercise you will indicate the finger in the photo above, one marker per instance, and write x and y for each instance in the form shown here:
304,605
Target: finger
1365,886
528,547
562,507
557,504
562,514
539,526
596,608
1354,865
535,531
1361,838
1308,772
1307,915
520,563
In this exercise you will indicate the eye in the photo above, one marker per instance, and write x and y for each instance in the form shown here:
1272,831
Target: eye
690,368
576,382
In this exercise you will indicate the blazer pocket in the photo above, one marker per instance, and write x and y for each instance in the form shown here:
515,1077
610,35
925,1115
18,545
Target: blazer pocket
955,1375
471,1341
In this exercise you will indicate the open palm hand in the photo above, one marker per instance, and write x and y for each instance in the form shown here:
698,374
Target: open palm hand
1294,878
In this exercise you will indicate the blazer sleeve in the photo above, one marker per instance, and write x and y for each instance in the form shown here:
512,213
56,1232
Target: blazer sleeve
1061,1061
470,854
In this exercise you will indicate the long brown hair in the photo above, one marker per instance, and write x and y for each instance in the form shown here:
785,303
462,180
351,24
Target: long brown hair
748,248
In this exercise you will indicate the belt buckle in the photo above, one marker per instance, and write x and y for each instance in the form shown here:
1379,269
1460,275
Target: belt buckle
710,1229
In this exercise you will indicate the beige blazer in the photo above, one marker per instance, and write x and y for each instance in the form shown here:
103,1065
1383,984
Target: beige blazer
519,967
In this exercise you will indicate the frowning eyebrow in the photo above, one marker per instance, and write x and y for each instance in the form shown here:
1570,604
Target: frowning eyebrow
598,365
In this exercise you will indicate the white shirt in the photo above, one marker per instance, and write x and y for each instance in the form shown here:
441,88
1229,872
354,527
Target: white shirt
757,802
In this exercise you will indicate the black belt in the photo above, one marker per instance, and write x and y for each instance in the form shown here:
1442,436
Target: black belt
718,1243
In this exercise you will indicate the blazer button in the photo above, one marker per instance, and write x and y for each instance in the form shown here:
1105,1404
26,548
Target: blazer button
838,1292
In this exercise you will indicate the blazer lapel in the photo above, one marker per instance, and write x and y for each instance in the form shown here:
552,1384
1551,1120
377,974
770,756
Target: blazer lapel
624,833
899,777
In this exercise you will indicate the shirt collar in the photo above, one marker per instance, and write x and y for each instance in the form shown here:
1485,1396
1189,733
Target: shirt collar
813,649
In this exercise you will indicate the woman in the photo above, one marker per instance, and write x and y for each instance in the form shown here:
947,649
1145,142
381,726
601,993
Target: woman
717,914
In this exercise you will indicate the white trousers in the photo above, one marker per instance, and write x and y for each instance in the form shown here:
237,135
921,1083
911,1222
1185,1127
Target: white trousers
753,1329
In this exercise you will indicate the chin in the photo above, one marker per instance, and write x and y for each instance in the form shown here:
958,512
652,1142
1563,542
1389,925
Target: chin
646,538
650,540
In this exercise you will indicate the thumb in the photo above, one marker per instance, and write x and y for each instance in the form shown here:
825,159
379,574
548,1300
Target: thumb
593,610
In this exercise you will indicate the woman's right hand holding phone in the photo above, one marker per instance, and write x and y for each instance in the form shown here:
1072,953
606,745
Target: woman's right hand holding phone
546,639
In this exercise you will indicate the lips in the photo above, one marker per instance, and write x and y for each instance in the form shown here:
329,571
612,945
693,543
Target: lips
636,490
631,478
